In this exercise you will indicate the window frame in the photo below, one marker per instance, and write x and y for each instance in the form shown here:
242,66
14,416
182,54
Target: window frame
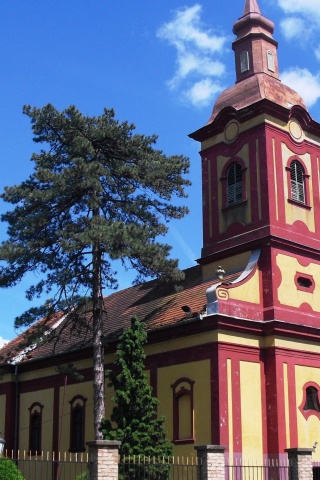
35,432
177,394
309,412
305,182
224,180
244,60
77,404
270,61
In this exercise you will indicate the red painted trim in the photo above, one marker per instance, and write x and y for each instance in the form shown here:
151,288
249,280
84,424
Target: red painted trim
154,379
236,407
218,382
255,192
56,418
9,390
271,401
176,395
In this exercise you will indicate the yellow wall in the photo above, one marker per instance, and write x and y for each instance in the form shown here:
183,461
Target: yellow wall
289,266
66,394
292,212
26,400
199,372
251,410
249,291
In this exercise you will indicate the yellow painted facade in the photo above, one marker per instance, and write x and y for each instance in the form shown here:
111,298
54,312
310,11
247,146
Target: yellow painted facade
248,291
292,213
26,400
199,372
251,410
289,266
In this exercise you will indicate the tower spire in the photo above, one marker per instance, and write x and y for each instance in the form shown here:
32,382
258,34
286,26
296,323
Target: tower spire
255,48
251,6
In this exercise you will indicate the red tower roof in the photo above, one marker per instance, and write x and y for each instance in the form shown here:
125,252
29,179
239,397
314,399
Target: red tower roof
257,72
251,6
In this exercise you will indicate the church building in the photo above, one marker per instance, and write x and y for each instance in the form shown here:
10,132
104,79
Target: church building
234,357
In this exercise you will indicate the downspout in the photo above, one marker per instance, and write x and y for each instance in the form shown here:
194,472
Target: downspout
16,413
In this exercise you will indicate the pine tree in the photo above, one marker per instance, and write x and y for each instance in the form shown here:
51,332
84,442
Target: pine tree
134,414
99,192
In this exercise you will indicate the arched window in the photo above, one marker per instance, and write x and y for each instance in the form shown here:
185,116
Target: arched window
312,399
297,182
234,184
183,411
310,404
77,424
244,61
35,427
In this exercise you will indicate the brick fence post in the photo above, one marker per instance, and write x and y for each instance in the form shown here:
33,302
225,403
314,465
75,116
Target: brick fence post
211,462
103,459
300,462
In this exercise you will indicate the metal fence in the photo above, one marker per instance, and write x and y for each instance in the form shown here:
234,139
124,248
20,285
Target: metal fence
48,466
262,470
154,468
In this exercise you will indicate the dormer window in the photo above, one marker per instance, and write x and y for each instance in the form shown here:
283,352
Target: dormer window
244,61
270,61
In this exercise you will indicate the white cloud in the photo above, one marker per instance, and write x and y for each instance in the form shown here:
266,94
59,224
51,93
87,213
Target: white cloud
302,22
198,49
303,82
3,342
293,28
201,92
309,8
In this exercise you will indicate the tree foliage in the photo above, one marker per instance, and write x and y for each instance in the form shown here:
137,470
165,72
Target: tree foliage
8,469
99,192
135,412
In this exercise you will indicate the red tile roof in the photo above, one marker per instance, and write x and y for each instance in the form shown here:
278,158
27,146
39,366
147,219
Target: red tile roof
158,305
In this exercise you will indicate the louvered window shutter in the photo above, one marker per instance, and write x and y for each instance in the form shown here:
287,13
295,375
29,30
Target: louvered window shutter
234,184
297,182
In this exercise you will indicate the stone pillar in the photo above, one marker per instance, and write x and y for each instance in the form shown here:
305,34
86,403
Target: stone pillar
300,462
211,461
103,459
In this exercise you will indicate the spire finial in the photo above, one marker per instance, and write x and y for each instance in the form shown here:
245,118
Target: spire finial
251,6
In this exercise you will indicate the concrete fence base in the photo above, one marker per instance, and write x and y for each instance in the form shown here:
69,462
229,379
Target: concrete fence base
300,463
103,460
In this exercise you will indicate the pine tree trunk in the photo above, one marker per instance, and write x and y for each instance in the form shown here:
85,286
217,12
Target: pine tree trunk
98,349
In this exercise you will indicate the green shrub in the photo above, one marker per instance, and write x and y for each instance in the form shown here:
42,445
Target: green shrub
9,470
82,476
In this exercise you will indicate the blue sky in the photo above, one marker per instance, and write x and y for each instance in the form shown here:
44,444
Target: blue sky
159,64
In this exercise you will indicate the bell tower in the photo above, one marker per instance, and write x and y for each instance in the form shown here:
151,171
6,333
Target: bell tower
260,154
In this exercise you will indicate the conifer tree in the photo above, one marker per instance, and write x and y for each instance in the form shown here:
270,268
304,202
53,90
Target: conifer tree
134,415
99,192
